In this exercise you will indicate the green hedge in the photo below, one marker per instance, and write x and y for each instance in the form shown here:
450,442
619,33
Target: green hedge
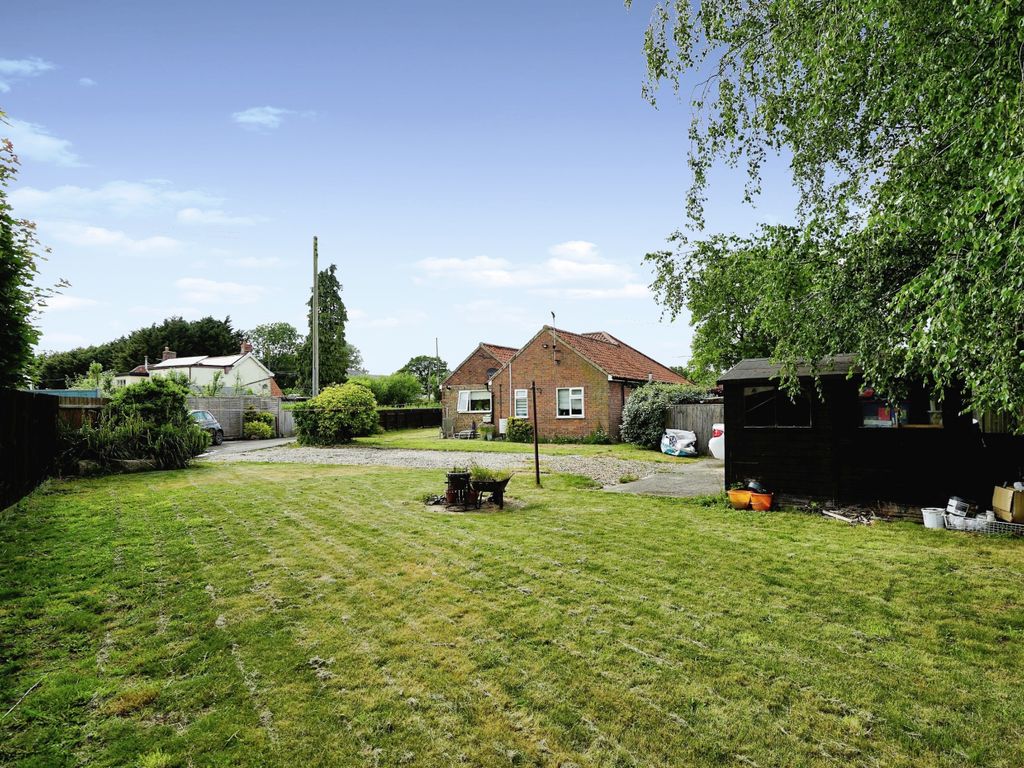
337,415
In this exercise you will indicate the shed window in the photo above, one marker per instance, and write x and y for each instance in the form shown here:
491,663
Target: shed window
918,410
768,406
522,409
474,401
570,402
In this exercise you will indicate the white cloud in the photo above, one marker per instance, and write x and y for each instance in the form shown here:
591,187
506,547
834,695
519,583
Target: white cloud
85,236
213,216
628,291
121,198
62,302
360,318
254,262
261,118
16,69
86,82
62,341
203,291
571,264
577,250
34,142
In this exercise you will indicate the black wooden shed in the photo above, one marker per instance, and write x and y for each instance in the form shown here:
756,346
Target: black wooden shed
839,443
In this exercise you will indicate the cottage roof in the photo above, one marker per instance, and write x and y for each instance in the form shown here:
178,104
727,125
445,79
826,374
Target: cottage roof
617,358
500,353
763,368
612,356
503,354
222,361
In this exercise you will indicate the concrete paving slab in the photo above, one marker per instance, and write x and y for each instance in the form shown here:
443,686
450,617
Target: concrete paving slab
699,478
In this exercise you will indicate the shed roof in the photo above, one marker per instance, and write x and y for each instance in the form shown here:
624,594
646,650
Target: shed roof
763,368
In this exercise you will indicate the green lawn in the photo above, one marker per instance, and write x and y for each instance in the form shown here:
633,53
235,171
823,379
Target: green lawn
428,440
292,615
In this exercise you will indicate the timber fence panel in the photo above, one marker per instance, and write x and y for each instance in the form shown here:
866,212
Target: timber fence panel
78,411
409,418
229,411
697,418
28,442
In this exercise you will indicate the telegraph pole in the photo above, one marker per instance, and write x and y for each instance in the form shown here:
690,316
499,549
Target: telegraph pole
536,448
315,329
437,372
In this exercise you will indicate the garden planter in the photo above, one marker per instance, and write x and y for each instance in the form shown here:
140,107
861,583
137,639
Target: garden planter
494,487
471,498
740,499
451,496
761,502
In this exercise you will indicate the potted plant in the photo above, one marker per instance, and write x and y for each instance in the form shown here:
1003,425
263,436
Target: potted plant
487,431
484,480
760,497
739,496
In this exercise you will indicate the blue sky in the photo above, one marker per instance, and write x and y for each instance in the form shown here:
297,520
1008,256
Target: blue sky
469,167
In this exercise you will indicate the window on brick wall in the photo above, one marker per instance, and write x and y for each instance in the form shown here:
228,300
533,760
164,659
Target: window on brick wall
522,408
569,402
474,401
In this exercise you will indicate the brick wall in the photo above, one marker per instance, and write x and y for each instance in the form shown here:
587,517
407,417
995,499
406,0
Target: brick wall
472,374
535,363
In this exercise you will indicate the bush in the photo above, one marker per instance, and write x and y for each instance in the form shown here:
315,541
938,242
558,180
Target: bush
257,430
252,415
396,389
519,431
145,421
599,437
337,415
643,418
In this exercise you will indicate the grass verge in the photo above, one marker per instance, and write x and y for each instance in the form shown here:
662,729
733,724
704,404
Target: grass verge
286,615
428,440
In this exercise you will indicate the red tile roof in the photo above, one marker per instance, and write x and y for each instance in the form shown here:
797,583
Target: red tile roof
618,359
504,354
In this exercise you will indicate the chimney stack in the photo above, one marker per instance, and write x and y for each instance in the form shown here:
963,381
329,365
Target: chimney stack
168,354
246,347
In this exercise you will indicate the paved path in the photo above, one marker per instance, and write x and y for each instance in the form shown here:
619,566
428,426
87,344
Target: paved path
657,478
699,478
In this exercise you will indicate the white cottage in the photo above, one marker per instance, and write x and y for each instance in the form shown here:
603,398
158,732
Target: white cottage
236,374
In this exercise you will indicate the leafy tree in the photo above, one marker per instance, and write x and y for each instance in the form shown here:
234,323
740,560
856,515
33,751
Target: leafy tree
356,366
718,281
277,345
95,378
206,336
19,297
215,386
333,349
902,121
429,371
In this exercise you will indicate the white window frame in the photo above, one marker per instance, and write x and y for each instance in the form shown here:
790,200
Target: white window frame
465,401
521,397
572,396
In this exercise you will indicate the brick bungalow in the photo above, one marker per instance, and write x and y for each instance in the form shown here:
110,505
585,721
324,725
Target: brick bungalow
583,381
465,398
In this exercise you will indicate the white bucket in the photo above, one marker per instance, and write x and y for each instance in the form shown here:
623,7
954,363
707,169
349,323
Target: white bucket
933,517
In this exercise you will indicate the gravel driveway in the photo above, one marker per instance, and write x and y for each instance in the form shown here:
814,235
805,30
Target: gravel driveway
606,471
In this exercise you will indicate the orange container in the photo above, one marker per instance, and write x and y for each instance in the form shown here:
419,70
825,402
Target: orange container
762,502
740,499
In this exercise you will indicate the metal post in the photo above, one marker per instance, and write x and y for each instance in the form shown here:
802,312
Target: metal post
536,447
315,329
